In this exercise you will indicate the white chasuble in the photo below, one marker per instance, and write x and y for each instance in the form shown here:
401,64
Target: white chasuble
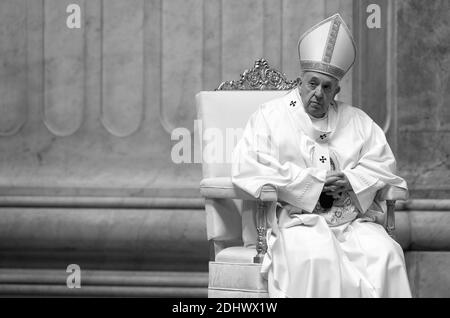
312,252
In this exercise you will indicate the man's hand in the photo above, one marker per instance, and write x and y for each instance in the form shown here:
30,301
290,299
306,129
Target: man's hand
336,183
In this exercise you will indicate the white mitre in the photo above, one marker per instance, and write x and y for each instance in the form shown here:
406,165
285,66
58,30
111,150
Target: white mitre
327,48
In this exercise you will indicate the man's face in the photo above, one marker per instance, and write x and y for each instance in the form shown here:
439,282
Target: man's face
317,91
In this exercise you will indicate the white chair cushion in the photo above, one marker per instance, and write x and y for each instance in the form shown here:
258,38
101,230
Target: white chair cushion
237,254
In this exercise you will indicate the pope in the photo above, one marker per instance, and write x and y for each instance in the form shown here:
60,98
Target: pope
327,160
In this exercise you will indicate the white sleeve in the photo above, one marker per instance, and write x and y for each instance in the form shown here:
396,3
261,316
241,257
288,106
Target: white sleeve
375,169
256,163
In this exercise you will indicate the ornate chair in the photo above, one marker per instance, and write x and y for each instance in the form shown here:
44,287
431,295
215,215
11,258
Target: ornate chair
236,225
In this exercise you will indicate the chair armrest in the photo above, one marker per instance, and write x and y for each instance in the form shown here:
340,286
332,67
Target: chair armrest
390,193
223,188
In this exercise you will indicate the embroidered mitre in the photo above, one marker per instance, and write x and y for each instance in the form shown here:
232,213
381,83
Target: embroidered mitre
328,48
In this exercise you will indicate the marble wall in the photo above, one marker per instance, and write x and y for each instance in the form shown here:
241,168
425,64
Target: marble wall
423,65
93,108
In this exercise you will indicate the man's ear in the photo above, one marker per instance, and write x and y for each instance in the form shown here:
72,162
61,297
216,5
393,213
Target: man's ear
338,89
299,85
300,79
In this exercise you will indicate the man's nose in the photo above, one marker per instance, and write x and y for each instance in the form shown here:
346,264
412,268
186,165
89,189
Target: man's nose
318,92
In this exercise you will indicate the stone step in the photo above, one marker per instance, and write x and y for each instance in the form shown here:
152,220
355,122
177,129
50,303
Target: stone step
98,283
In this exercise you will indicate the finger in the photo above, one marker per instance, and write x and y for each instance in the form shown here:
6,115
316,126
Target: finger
331,180
334,191
336,194
335,174
345,185
329,189
341,183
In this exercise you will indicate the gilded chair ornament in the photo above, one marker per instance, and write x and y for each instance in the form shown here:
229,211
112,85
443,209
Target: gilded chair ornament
260,77
261,244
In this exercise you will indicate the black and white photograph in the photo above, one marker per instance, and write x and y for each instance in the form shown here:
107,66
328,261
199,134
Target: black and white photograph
243,150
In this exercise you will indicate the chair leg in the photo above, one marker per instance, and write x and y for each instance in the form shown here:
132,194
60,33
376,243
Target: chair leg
261,228
390,218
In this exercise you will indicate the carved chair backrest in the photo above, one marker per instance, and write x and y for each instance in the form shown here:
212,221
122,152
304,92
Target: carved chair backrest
228,109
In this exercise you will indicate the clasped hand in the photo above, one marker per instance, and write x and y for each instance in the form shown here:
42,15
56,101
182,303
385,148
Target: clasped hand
336,183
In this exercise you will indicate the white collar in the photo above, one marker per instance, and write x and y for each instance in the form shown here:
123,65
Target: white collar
303,122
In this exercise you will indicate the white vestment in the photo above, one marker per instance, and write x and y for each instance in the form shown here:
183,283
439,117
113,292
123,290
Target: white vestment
311,255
